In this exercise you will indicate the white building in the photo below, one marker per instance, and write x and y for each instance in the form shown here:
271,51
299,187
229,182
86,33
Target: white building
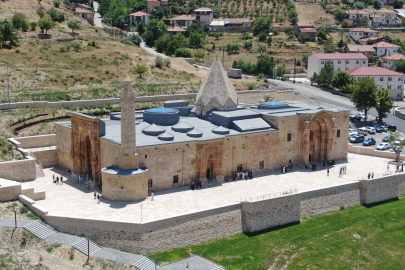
341,61
377,18
384,78
385,49
360,33
389,61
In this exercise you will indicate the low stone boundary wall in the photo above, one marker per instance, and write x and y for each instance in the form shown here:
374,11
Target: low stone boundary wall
34,141
9,191
48,158
17,170
371,152
382,189
400,112
243,95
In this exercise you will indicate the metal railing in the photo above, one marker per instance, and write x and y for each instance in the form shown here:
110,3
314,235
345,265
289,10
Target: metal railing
268,196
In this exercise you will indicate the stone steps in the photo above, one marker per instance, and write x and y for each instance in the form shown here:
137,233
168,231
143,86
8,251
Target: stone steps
146,264
84,247
40,229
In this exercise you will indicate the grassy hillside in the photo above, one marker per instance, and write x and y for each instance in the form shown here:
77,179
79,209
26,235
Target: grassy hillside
353,238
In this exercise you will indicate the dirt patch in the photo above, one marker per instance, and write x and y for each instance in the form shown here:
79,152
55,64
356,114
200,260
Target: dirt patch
314,13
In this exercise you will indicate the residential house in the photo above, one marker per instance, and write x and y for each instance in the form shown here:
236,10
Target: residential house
384,78
358,14
182,21
85,14
374,40
235,24
138,17
174,30
367,50
341,61
385,49
389,61
299,26
204,15
361,32
388,18
153,5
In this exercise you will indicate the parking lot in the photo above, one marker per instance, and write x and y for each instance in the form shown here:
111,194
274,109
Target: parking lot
355,124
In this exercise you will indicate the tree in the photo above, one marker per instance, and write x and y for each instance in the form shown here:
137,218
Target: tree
305,60
261,49
41,11
248,44
341,79
56,3
141,28
400,66
303,37
56,15
398,4
265,65
260,25
183,52
74,25
159,61
341,44
269,41
233,48
77,46
280,70
7,33
321,35
139,69
339,14
326,75
154,31
384,103
19,21
363,21
199,53
262,37
364,94
217,35
376,4
196,39
289,31
369,42
46,23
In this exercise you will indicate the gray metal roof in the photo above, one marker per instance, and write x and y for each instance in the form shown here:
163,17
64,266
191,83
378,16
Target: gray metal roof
250,124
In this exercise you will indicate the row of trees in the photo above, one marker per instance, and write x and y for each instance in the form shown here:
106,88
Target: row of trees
265,65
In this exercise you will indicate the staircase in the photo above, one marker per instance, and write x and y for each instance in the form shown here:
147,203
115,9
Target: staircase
39,229
84,247
146,264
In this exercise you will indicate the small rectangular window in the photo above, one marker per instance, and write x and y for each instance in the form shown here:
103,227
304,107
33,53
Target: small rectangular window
311,136
399,87
347,61
400,79
389,86
322,62
146,156
239,168
338,133
175,179
381,79
339,62
357,62
289,137
364,61
150,183
389,79
261,164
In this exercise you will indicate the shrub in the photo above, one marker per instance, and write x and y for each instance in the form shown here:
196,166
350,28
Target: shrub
17,51
33,26
56,15
23,210
56,3
275,33
77,45
159,61
166,62
199,54
183,52
262,36
131,40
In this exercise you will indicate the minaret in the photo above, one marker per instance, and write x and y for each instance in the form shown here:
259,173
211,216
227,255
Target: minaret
127,158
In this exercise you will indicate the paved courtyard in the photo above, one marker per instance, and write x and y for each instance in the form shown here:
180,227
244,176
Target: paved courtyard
72,199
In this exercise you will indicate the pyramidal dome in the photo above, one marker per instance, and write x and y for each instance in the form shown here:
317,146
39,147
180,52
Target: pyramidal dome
216,92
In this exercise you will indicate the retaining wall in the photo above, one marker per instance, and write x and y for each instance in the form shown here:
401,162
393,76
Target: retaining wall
369,151
48,158
400,112
382,189
243,95
17,170
9,191
34,141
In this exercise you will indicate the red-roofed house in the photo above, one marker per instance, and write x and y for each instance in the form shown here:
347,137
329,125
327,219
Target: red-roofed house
387,18
182,20
85,14
341,61
389,61
174,30
307,28
153,5
360,33
204,15
385,49
138,17
384,78
230,24
363,41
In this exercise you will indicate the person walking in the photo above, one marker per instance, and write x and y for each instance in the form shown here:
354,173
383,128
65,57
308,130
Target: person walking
61,180
95,194
98,198
327,171
372,175
368,175
324,163
54,178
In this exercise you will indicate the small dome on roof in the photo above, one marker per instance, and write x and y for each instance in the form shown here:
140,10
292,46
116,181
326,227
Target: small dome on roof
221,130
166,137
153,130
182,127
194,133
273,103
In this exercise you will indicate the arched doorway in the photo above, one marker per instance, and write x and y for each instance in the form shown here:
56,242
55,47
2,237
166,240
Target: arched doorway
210,170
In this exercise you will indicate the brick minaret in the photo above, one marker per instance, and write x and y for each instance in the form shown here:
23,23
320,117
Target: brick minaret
127,158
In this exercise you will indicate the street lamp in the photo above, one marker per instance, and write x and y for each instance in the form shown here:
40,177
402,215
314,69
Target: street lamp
8,88
15,216
88,248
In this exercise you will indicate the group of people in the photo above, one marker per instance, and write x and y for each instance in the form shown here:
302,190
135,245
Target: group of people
370,175
285,168
343,171
97,196
248,174
58,180
80,179
311,166
196,184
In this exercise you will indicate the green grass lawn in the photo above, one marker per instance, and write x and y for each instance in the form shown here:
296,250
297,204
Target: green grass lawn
353,238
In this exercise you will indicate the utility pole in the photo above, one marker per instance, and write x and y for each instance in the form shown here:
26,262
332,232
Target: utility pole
294,67
8,89
223,56
88,248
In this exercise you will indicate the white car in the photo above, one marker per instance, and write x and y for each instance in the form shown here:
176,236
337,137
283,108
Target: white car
383,146
371,130
351,130
399,141
361,116
353,133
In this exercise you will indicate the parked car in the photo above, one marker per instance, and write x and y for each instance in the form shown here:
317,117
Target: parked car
361,116
387,138
369,142
351,130
378,129
371,130
384,127
383,146
357,138
363,131
353,133
352,116
399,141
392,128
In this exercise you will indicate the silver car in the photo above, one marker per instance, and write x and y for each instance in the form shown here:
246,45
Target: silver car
383,146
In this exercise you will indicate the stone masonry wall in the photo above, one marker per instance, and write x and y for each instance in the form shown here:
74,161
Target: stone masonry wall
382,189
9,193
34,141
23,170
256,96
48,158
371,152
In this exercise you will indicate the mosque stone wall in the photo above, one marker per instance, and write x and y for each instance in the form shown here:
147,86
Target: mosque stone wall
63,145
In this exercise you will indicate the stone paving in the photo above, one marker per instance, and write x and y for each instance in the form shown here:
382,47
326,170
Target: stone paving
72,199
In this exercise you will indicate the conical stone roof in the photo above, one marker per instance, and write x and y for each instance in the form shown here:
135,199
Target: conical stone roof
153,130
216,92
182,127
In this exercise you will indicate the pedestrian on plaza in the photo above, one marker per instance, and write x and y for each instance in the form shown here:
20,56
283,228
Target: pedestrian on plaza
88,185
54,178
282,168
192,185
251,172
95,194
372,175
368,175
327,171
98,198
61,180
388,167
402,168
324,163
87,177
57,180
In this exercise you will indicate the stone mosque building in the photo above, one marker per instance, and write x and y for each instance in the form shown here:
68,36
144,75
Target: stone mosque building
133,153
